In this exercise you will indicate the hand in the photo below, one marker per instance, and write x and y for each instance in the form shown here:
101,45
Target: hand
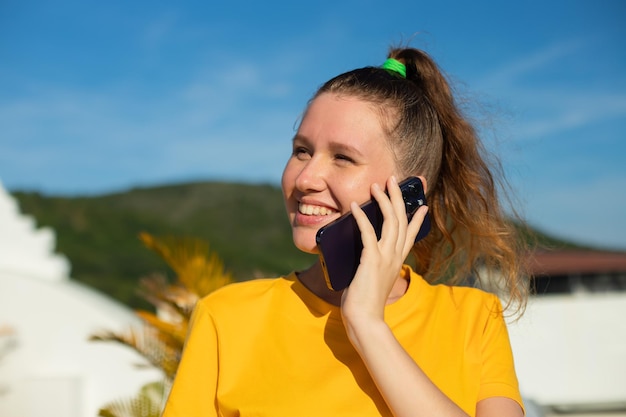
381,260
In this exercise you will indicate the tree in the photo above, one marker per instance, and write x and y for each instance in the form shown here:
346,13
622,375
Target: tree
161,337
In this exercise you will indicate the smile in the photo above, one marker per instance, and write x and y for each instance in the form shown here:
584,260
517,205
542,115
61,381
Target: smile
311,210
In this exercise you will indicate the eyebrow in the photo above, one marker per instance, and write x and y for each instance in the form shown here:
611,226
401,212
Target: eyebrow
334,146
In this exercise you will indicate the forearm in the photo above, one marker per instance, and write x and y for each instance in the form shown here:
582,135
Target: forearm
406,388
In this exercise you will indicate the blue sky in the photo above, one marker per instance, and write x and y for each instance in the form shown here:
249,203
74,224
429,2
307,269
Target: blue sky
102,96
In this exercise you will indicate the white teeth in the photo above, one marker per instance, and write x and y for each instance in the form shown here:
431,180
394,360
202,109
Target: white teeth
311,210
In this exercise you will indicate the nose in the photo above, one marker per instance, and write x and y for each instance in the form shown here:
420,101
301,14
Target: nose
311,176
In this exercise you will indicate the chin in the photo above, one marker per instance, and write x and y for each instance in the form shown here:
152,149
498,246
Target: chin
305,243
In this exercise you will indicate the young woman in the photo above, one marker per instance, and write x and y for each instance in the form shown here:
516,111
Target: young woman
396,342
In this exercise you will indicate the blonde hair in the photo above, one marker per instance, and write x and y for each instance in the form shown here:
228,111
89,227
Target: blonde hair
429,136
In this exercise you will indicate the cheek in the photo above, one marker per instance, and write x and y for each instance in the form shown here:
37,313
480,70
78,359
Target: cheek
287,180
358,190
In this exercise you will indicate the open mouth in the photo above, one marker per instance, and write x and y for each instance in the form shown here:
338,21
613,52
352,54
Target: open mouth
312,210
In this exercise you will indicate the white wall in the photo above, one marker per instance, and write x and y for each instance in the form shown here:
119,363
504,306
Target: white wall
47,365
570,350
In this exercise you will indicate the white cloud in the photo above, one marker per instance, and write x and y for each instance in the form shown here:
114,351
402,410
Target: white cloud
508,74
554,112
201,126
571,189
159,29
557,104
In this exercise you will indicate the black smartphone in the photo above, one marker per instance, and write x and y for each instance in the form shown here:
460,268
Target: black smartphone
340,244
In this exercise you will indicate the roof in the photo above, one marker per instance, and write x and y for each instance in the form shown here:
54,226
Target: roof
567,262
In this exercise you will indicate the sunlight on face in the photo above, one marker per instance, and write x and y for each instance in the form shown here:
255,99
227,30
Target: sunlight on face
339,151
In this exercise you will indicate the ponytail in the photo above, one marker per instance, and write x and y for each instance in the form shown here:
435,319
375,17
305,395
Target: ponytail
471,237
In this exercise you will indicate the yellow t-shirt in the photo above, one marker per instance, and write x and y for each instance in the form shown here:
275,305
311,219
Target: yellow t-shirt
272,348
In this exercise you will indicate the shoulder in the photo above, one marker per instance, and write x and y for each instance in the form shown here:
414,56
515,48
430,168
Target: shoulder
469,301
472,313
246,295
457,300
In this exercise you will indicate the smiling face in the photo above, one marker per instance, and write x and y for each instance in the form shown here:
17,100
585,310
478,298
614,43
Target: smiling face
339,151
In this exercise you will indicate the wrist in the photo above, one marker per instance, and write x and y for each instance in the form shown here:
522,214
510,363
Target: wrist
363,330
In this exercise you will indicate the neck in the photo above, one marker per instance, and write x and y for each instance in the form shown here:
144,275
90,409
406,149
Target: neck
313,280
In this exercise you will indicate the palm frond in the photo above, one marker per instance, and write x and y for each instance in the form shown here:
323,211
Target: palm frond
161,338
197,270
146,341
175,301
148,403
172,334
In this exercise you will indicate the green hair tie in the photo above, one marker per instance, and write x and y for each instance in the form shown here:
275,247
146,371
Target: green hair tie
395,66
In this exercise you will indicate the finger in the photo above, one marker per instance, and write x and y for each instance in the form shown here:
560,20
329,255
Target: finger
396,198
391,224
414,228
399,207
368,234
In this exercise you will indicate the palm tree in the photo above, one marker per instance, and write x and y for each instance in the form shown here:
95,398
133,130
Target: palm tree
161,337
146,404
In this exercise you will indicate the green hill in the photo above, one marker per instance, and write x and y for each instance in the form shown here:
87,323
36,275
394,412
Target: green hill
245,225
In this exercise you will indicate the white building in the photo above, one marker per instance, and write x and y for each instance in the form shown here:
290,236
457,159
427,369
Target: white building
48,367
570,345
